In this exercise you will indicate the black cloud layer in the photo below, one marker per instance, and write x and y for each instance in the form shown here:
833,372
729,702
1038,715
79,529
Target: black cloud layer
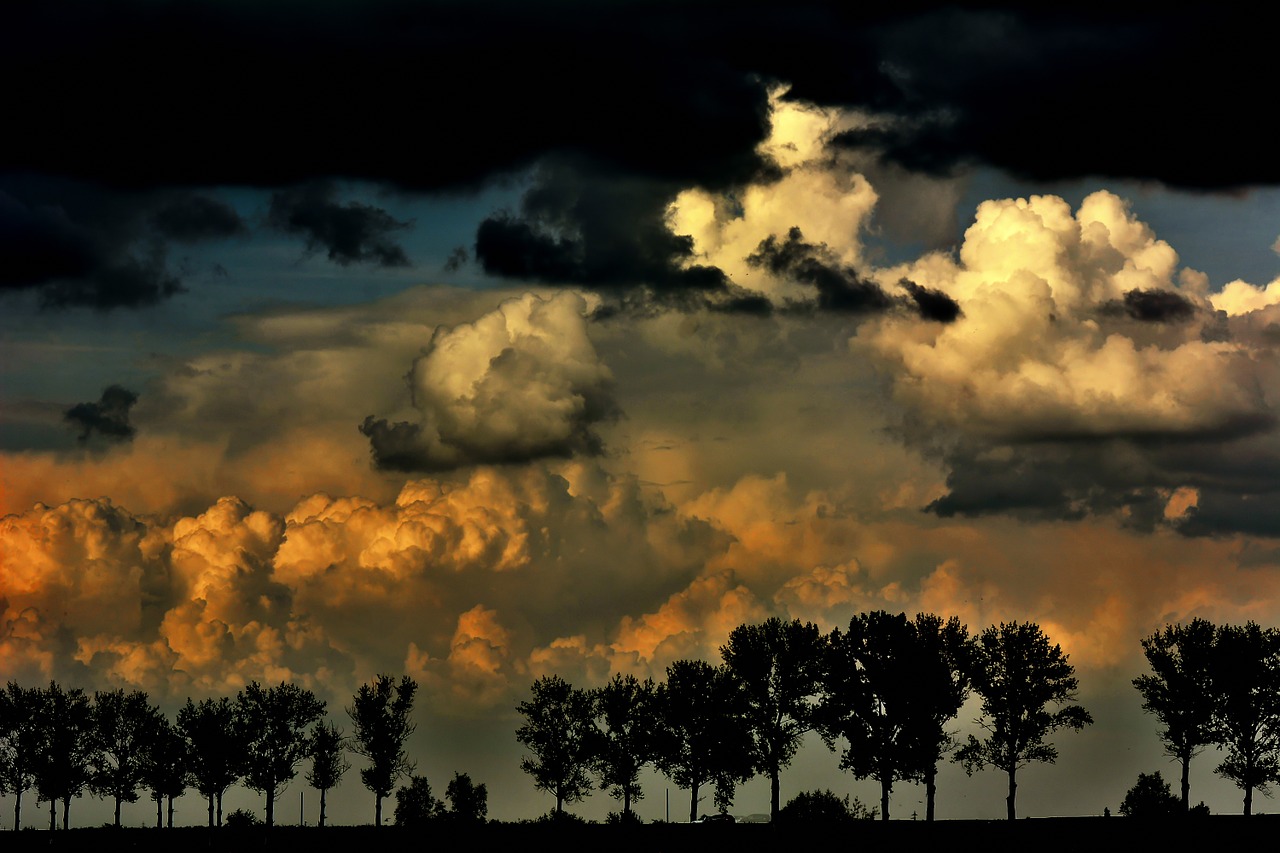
620,104
446,94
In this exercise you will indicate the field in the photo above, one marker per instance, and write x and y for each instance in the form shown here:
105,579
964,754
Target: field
1083,834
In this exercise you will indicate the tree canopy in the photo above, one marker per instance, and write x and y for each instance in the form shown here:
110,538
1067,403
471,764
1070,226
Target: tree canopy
380,711
1179,691
779,665
1246,688
1021,679
704,735
274,722
559,732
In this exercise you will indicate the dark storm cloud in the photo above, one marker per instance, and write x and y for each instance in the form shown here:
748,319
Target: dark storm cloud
932,304
406,447
1152,306
632,100
348,233
577,226
76,244
672,90
1234,470
192,218
840,288
108,418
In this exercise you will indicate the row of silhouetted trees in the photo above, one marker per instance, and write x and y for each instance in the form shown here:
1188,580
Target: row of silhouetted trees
60,743
884,693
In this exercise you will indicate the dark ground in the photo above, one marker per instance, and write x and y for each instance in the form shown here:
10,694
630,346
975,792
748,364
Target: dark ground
1086,835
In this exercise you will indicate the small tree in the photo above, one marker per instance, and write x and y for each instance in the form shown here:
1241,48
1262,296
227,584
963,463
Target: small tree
1150,796
1246,689
21,730
1019,676
123,727
626,714
274,722
559,731
823,808
327,761
1179,691
380,714
468,802
780,667
217,747
415,804
165,767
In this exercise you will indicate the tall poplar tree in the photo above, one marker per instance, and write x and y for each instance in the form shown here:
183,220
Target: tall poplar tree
379,712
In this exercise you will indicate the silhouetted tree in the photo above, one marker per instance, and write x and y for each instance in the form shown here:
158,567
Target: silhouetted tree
415,804
327,761
468,802
275,721
823,808
780,667
1179,691
1019,675
1150,796
627,716
67,748
380,714
21,731
559,732
871,700
123,725
217,747
165,767
704,738
942,658
1246,688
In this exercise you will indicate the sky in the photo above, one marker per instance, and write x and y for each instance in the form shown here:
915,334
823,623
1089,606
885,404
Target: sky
484,341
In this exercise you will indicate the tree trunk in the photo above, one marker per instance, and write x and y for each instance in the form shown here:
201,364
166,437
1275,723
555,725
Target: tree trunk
322,792
1248,799
66,812
693,802
377,809
159,812
930,790
885,788
775,791
17,810
271,807
53,813
211,811
1013,793
626,801
219,808
171,811
1186,783
117,811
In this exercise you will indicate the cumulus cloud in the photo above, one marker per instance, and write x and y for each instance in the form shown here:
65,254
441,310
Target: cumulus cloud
522,382
464,583
1081,348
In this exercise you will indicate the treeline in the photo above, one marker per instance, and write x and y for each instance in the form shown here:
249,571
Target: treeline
60,743
883,694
